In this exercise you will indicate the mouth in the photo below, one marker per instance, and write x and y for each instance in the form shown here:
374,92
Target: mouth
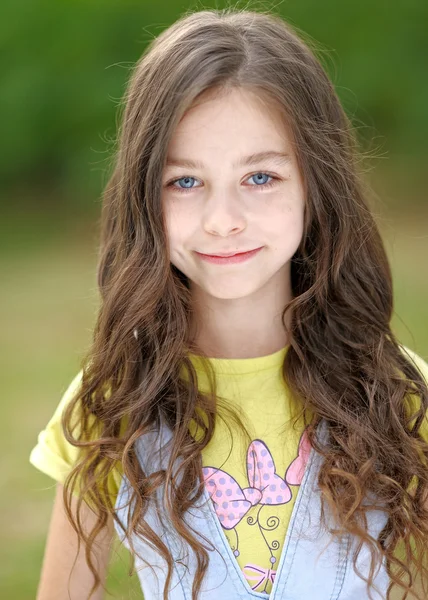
230,258
228,254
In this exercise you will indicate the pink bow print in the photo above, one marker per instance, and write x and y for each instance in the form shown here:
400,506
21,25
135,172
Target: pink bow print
232,503
261,575
294,473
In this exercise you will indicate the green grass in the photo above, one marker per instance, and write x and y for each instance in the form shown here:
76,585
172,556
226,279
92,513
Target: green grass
47,310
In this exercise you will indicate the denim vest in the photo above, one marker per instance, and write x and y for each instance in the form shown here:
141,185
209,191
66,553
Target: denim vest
309,567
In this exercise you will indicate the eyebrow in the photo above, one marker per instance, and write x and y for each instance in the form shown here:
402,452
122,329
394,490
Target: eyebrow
279,158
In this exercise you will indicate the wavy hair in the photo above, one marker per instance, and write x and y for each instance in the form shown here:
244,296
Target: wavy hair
344,363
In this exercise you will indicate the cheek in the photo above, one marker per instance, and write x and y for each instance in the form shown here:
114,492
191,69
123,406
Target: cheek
286,220
178,227
172,220
283,227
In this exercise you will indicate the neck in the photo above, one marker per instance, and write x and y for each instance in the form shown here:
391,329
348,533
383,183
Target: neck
239,328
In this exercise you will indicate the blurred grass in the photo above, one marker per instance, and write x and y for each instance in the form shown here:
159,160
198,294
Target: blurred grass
48,308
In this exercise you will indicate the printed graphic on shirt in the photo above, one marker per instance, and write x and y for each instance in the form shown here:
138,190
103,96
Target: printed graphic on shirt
265,487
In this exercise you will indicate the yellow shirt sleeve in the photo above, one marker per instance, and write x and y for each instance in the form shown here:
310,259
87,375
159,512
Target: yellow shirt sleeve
422,366
54,455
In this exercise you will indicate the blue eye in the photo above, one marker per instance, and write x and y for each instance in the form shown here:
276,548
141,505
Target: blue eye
258,177
186,179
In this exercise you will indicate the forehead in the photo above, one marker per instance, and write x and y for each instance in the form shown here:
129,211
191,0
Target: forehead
237,118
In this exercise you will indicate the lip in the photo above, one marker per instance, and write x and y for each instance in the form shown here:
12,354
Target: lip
231,259
227,254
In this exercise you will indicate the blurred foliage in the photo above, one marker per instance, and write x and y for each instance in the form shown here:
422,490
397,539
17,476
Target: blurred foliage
65,66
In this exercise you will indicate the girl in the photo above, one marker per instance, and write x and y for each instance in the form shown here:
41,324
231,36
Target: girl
245,418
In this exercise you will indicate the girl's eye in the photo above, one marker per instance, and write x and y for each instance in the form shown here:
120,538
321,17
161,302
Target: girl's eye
259,178
187,181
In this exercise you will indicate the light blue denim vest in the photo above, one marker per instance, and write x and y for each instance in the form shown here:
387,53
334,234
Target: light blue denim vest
310,568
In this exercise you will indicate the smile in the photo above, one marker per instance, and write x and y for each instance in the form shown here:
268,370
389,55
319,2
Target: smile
228,260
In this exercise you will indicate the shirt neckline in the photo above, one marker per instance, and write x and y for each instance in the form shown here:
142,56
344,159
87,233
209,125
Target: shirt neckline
243,366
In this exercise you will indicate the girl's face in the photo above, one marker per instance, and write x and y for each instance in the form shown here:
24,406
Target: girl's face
217,199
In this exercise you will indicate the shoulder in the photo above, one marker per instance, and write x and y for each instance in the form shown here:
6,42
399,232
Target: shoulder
419,361
72,388
53,454
413,404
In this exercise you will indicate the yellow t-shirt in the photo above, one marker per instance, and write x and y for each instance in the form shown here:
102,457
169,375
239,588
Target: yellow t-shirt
256,390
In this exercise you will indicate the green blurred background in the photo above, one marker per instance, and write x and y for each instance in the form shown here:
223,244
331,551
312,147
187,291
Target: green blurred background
64,70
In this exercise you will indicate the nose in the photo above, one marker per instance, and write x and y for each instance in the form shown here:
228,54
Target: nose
223,215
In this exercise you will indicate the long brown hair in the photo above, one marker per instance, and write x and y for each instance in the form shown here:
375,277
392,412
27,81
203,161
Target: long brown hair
343,364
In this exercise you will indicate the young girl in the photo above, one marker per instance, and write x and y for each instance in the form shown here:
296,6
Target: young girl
245,418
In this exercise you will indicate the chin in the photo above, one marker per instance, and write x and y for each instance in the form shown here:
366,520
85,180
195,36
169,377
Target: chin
229,293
